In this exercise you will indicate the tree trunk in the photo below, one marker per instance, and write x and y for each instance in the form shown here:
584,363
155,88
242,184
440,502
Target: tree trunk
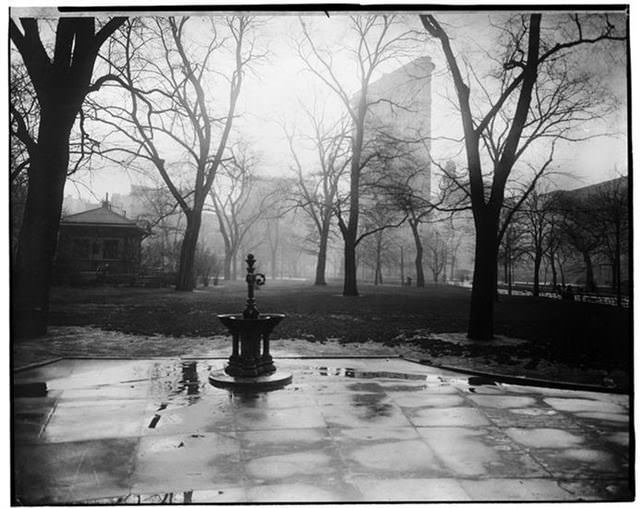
61,84
274,261
419,254
350,277
616,266
227,263
536,273
234,264
505,267
322,257
401,266
377,276
554,273
350,234
444,268
590,284
484,277
452,268
186,275
39,232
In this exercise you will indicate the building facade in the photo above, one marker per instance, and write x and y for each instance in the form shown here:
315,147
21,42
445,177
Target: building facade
98,241
400,111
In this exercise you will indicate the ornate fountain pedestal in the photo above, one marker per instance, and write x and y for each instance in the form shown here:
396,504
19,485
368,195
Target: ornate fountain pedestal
250,365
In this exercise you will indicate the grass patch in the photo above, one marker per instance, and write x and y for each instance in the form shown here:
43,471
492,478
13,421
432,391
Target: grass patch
590,335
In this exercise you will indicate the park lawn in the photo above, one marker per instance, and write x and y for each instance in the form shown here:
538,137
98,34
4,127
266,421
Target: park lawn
578,334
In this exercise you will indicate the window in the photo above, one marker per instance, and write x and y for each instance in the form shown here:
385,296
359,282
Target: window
110,249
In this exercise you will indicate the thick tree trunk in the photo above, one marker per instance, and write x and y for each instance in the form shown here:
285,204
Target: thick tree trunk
321,264
234,264
226,267
186,276
350,276
39,232
350,232
61,84
484,278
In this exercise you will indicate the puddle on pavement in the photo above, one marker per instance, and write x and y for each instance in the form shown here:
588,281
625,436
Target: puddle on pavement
159,499
360,374
373,405
463,382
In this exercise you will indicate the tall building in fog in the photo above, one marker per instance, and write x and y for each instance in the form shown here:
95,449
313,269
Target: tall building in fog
401,108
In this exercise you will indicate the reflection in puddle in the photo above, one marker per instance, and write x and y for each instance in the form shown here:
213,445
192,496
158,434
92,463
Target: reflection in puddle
354,373
165,498
189,379
177,378
154,421
373,405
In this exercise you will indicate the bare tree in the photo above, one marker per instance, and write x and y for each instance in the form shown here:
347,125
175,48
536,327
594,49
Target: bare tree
532,94
169,120
437,254
316,191
207,265
24,112
594,222
512,248
537,213
375,250
378,39
611,206
239,203
161,217
61,79
580,228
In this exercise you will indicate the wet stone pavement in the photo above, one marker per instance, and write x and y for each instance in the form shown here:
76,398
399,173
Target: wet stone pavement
347,429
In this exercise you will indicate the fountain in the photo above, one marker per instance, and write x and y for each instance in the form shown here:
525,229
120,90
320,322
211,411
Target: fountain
250,365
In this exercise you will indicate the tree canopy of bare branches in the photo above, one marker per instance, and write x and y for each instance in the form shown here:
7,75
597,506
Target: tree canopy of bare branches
173,78
377,40
533,94
316,189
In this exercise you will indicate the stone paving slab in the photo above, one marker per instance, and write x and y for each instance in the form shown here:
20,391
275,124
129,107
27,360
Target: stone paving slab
354,429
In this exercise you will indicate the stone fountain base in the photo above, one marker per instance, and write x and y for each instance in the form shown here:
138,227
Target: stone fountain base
250,366
221,379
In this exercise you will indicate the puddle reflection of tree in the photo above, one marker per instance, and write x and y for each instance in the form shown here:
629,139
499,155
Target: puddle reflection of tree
189,382
372,405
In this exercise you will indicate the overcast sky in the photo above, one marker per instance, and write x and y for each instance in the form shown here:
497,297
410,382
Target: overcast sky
273,94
